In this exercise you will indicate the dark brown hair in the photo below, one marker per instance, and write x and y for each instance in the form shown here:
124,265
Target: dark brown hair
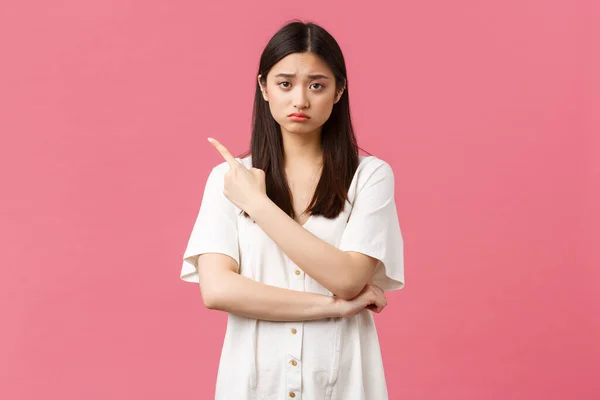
340,149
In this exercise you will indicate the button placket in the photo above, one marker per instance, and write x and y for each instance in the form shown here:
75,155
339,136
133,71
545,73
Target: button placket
294,341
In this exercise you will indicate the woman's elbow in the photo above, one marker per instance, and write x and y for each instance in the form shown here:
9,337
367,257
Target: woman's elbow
211,301
348,292
358,276
214,273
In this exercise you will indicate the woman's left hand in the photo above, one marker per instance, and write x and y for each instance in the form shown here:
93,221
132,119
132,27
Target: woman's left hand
244,187
370,298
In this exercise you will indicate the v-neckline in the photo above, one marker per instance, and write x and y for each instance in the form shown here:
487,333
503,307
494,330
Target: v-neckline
306,222
353,178
360,163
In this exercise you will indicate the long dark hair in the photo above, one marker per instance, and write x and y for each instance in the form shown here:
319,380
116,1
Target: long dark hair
340,149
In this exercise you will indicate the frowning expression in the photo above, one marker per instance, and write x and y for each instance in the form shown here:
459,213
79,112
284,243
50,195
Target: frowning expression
300,83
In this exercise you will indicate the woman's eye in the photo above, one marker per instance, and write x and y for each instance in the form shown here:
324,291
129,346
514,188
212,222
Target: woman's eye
286,85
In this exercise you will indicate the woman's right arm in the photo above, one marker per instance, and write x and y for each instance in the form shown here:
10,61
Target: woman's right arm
224,289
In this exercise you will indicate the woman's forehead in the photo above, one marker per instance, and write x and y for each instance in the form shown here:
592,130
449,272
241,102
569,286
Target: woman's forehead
303,65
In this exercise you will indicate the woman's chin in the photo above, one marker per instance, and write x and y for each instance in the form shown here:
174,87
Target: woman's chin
298,129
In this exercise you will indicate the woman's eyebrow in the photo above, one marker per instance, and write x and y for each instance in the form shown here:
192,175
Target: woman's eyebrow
312,76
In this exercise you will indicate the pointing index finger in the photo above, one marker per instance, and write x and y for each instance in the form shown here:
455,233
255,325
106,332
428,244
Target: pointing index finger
224,152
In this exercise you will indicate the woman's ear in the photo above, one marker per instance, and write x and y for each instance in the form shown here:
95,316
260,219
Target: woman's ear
340,93
262,88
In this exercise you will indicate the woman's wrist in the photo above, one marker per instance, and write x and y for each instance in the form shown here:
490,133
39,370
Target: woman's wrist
324,307
259,206
334,307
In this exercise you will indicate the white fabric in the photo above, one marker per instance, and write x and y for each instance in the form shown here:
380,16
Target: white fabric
336,358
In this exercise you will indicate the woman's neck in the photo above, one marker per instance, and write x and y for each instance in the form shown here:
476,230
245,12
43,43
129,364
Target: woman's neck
302,149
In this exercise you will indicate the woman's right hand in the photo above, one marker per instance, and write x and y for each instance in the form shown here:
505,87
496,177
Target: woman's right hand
371,298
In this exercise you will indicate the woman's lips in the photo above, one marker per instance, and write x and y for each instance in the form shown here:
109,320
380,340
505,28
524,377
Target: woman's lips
298,118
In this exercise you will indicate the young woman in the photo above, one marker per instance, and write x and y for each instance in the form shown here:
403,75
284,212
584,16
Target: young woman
298,239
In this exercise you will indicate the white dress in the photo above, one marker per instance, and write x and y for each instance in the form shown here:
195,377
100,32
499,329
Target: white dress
333,358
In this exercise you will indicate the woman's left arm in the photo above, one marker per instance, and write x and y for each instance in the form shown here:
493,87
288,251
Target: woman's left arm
345,274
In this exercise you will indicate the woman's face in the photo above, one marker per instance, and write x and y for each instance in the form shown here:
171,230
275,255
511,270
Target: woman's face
303,83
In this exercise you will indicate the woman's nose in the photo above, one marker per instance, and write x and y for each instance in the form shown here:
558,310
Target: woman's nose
300,98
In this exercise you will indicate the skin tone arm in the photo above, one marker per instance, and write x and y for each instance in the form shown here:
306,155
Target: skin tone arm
248,298
345,274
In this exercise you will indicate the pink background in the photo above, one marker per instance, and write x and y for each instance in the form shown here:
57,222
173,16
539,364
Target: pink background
487,111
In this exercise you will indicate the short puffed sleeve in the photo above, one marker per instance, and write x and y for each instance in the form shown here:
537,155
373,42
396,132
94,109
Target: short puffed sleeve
215,229
373,227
